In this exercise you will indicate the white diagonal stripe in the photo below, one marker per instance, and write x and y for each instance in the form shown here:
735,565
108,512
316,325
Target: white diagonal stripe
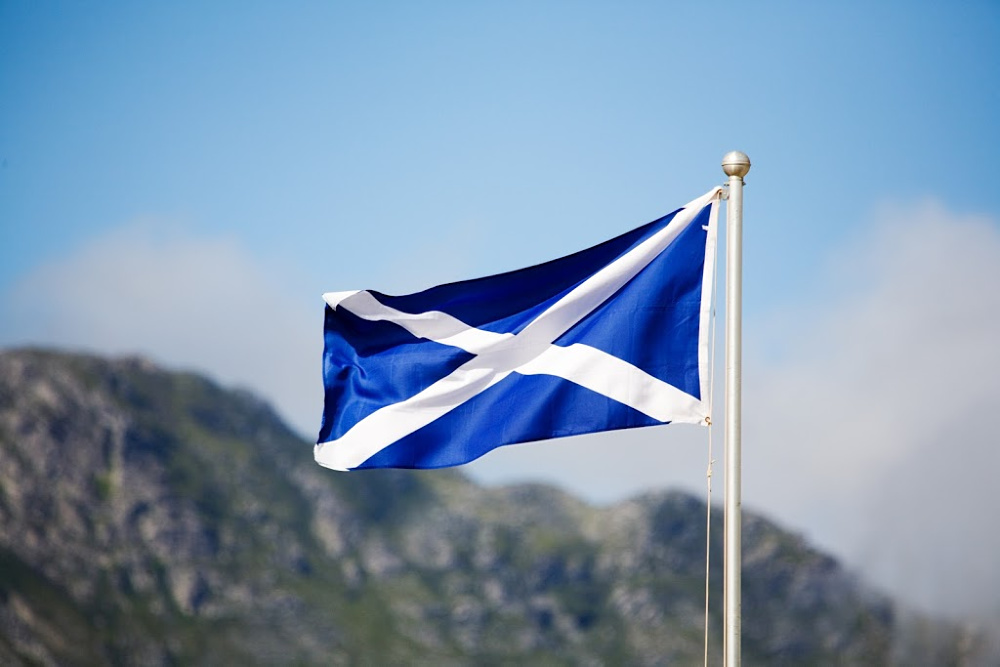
617,379
530,352
433,325
397,420
595,290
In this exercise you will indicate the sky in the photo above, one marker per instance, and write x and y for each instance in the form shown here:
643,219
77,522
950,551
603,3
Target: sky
184,180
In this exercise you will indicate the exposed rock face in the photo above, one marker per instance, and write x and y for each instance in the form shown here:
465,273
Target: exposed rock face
149,517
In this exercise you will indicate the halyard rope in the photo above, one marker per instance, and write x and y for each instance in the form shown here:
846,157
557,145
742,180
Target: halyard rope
711,461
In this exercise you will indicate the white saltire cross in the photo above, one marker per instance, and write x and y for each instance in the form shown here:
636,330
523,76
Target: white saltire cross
529,352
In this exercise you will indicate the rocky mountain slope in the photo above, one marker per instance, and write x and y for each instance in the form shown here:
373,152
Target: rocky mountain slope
153,518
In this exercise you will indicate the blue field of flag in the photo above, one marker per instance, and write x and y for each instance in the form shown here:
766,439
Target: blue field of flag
611,337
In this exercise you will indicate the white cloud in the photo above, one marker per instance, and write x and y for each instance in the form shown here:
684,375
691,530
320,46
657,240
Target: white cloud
197,303
872,427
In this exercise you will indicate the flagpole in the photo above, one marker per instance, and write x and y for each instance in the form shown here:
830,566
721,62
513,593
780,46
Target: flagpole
736,165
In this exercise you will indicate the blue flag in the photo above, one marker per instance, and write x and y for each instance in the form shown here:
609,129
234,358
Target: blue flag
611,337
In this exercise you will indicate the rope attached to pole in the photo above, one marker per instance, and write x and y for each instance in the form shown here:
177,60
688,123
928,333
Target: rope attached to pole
711,462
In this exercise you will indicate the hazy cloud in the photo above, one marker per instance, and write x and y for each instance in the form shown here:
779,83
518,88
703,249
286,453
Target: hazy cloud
193,303
868,427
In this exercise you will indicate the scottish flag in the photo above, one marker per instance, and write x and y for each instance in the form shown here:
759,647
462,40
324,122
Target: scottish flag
611,337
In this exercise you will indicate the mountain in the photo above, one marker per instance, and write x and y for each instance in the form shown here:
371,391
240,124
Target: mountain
150,517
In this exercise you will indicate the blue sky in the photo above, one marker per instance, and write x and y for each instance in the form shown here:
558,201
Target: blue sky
184,180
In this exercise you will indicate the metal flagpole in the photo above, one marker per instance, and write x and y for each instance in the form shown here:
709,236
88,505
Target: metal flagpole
736,165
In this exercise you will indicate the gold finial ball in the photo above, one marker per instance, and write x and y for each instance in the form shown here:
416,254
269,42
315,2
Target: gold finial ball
736,163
